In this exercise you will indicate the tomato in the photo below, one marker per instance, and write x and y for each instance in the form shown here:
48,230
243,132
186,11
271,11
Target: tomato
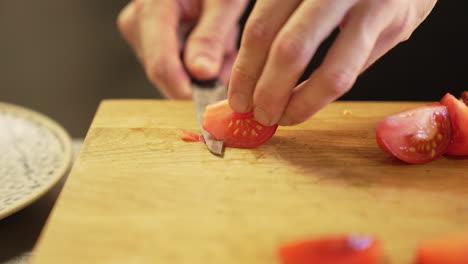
189,136
332,250
235,129
449,249
458,111
416,136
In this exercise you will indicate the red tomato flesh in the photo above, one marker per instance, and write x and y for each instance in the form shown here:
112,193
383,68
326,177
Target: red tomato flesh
235,129
332,250
458,111
416,136
450,249
189,136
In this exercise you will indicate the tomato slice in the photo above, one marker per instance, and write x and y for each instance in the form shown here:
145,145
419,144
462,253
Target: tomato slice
332,250
235,129
449,249
416,136
189,136
458,111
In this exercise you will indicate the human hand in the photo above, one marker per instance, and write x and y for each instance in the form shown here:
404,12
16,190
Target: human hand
153,28
281,37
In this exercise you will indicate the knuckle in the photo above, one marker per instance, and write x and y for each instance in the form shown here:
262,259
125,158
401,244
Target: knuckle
338,82
258,32
289,47
125,20
242,73
211,40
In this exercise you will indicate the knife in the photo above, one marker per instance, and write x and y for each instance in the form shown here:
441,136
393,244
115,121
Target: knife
205,93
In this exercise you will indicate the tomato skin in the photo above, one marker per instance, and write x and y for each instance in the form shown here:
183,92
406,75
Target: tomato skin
235,129
449,249
342,249
416,136
458,111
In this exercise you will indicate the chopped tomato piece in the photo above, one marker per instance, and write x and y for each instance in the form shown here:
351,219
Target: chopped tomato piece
189,136
449,249
416,136
458,111
235,129
332,250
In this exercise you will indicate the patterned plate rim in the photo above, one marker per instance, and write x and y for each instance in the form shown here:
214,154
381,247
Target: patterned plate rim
62,135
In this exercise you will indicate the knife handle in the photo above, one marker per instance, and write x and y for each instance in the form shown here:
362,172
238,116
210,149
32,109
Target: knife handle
210,83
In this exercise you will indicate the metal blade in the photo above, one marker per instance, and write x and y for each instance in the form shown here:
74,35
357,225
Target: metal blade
205,93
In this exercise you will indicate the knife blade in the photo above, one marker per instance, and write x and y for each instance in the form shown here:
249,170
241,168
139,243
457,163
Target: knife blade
205,93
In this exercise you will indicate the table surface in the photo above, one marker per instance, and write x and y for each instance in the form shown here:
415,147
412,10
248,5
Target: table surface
19,232
139,194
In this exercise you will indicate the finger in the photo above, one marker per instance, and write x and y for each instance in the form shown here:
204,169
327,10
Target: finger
231,41
205,46
230,54
225,73
383,44
160,48
394,34
128,27
260,31
341,66
291,52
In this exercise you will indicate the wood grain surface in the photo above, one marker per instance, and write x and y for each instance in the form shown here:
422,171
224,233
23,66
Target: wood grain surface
138,194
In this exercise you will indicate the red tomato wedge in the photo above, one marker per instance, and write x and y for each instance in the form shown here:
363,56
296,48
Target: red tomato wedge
416,136
458,111
236,130
332,250
450,249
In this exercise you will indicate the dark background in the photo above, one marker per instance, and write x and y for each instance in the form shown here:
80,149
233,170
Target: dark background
63,57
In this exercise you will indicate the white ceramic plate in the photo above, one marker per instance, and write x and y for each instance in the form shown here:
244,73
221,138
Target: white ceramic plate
35,153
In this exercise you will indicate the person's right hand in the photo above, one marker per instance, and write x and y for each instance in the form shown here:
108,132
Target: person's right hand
153,27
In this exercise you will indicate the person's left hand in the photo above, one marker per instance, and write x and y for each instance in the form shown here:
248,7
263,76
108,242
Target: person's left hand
281,37
155,30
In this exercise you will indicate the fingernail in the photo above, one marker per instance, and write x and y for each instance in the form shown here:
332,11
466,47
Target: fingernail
204,63
261,117
285,121
239,103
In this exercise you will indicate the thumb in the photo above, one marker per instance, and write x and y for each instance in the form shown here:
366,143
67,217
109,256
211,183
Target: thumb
206,45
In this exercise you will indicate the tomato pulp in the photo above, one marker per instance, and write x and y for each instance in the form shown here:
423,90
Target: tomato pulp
458,111
235,129
332,250
416,136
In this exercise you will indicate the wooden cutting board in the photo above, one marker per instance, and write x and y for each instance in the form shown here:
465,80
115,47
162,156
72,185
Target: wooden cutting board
138,194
